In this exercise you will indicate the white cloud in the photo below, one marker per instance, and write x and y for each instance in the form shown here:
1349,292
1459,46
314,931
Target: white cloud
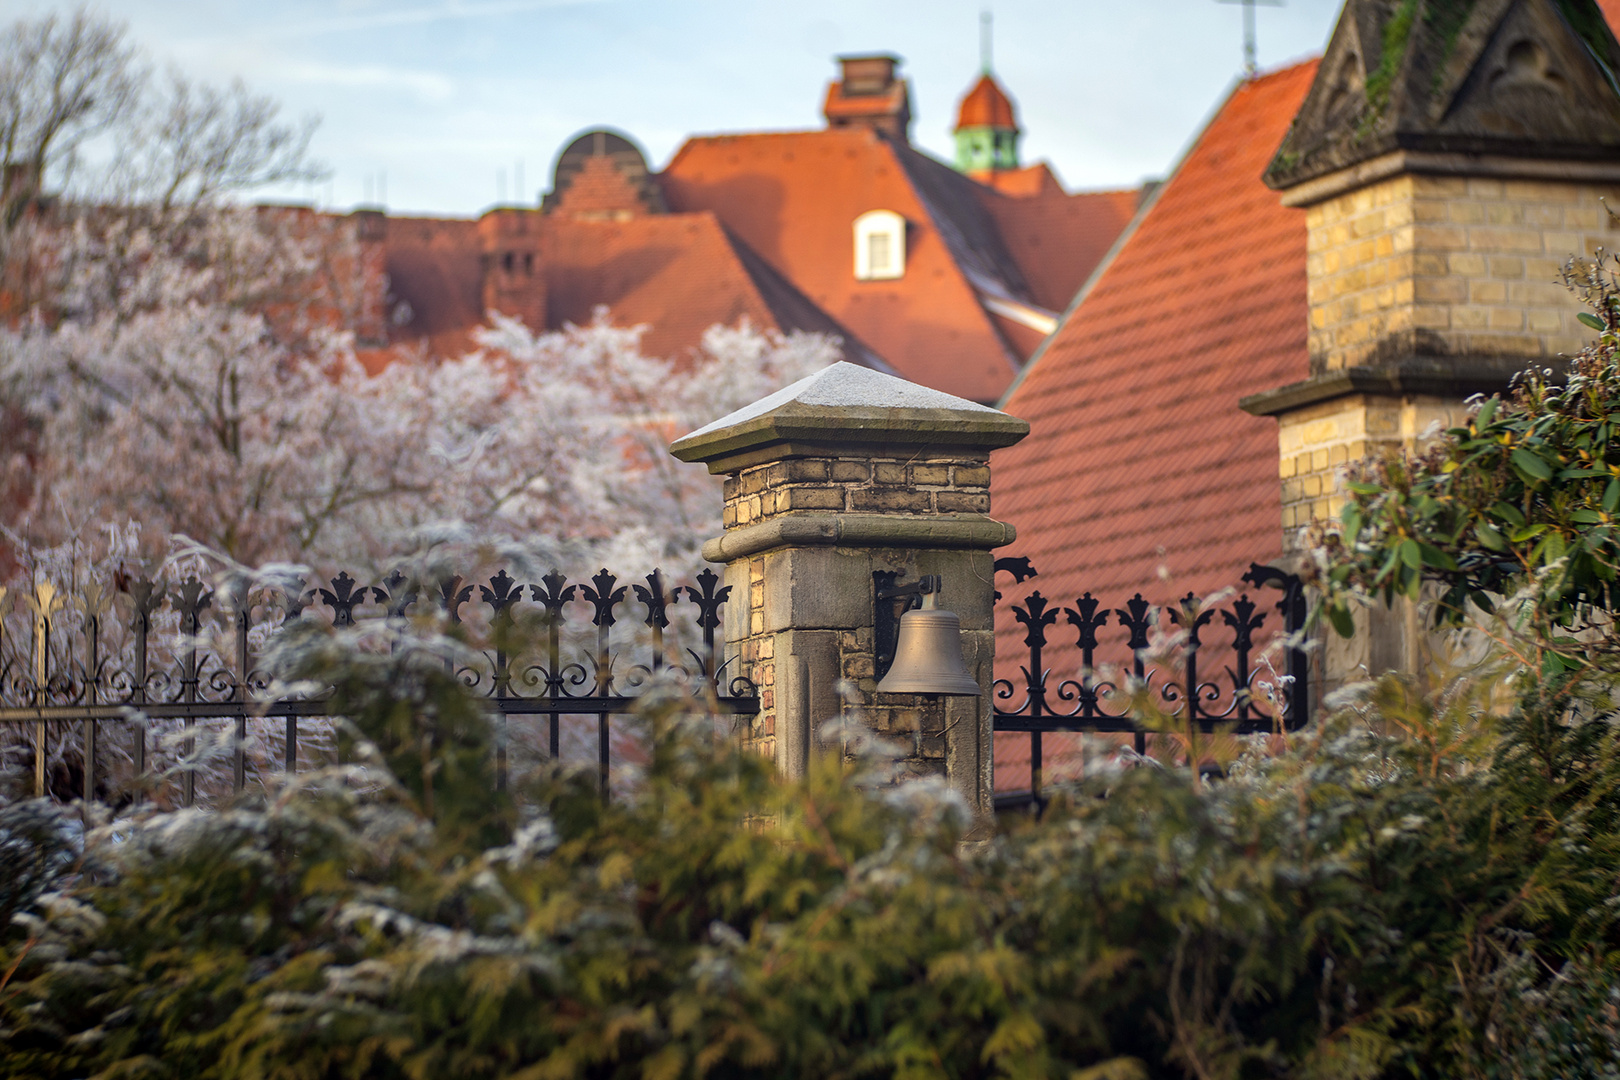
427,85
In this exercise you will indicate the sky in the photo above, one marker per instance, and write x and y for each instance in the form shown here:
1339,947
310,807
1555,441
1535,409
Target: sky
450,106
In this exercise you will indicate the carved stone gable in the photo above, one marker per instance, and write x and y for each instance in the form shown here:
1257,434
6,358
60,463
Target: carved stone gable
1512,78
1534,80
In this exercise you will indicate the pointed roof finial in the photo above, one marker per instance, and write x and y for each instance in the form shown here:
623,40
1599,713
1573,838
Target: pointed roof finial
984,40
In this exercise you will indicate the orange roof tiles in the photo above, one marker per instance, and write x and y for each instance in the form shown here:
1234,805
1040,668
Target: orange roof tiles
1139,455
1058,239
794,197
986,105
678,274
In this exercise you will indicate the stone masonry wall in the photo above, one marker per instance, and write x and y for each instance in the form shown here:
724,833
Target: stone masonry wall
781,618
939,485
1317,443
1448,265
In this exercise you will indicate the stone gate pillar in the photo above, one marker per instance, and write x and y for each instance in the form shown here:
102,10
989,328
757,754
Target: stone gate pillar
841,475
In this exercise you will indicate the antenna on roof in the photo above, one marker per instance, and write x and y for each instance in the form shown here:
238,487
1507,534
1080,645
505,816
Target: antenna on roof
1249,67
984,40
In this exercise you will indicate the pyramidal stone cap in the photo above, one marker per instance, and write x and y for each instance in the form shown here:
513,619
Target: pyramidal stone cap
847,408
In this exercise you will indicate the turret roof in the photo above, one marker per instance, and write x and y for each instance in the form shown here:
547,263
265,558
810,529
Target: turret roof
986,105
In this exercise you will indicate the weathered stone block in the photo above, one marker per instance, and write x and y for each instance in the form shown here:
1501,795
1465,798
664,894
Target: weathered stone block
810,498
851,472
888,500
970,475
1507,319
800,470
962,502
1517,241
814,588
889,473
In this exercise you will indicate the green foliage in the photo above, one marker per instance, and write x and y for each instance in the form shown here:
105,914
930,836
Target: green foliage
1413,888
1526,496
1381,80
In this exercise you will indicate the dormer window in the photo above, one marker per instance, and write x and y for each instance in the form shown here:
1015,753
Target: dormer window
880,246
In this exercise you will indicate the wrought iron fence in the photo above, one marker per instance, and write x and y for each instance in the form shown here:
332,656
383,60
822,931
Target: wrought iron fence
137,651
1199,679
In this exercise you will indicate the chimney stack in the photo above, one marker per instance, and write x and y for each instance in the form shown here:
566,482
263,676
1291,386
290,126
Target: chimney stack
869,93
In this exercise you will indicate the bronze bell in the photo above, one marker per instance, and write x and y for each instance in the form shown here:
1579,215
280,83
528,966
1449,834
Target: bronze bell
928,655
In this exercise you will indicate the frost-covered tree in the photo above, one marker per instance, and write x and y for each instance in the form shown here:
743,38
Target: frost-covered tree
173,358
170,396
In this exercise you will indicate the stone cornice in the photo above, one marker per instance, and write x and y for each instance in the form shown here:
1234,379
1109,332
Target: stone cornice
860,530
843,410
1431,163
1455,378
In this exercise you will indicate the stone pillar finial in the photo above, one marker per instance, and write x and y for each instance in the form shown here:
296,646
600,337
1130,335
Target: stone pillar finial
842,475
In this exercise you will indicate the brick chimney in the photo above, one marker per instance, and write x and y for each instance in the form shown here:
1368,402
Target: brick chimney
868,93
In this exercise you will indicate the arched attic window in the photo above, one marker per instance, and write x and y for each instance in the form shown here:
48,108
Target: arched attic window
880,245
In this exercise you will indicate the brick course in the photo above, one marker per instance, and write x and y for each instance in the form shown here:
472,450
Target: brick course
943,485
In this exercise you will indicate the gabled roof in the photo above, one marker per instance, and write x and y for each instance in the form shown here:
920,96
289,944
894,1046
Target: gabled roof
1524,78
793,197
986,105
983,279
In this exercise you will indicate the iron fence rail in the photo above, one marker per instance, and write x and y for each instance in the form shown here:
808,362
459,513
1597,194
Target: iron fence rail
1210,692
66,667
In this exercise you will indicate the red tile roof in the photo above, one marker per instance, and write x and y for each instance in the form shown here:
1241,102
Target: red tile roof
1139,456
793,197
986,105
1057,239
678,274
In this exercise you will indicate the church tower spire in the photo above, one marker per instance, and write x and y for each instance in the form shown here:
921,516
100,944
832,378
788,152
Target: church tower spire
986,125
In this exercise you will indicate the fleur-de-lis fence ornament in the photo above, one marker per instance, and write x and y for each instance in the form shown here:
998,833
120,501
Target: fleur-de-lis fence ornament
1087,620
343,597
1244,622
708,602
606,596
396,593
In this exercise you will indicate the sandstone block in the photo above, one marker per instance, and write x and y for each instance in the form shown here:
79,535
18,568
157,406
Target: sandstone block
888,501
851,472
962,502
970,475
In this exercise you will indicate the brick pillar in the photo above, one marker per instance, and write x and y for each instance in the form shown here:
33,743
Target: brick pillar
1424,289
840,475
